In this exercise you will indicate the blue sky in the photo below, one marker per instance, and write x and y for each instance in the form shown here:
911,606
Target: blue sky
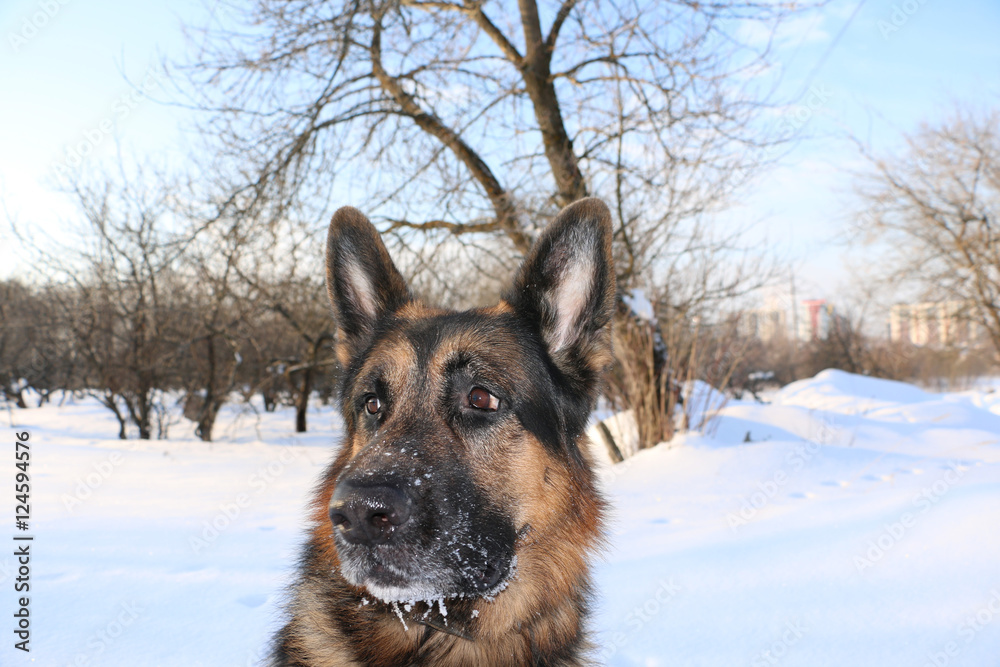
897,64
68,72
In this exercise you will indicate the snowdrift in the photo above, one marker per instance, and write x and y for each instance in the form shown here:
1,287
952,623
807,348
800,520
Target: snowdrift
851,521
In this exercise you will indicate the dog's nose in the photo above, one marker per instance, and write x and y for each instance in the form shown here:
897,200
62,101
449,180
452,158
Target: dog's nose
368,515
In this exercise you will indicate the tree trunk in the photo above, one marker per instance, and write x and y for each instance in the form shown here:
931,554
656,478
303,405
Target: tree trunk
206,420
111,404
145,414
16,396
537,74
302,401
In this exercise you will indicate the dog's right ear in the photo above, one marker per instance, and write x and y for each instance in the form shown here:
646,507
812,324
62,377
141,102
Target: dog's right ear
363,283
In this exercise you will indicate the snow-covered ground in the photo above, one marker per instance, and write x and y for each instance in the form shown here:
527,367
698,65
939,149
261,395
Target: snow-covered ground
850,521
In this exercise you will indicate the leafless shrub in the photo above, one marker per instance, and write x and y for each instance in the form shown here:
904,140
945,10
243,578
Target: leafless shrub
641,382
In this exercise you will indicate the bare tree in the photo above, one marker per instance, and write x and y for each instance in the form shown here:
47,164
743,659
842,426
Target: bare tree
478,113
16,324
280,299
122,275
472,121
936,207
36,351
215,317
306,350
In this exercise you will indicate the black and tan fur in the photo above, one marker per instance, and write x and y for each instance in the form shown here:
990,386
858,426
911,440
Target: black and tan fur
464,478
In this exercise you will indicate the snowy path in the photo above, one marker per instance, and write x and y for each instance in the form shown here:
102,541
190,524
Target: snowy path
860,525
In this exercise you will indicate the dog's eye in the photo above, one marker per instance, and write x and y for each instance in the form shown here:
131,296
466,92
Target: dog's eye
372,405
481,399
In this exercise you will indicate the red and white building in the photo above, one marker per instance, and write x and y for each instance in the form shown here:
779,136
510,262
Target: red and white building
812,320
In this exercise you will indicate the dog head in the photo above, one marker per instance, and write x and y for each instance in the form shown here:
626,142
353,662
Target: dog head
464,428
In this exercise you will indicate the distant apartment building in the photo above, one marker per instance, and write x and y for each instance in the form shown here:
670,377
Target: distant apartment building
815,318
812,320
765,324
941,323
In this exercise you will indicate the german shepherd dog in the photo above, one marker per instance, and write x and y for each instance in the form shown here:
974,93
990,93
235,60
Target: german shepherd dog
456,523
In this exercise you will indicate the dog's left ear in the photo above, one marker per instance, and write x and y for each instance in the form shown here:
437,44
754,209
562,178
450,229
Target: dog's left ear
567,286
363,283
